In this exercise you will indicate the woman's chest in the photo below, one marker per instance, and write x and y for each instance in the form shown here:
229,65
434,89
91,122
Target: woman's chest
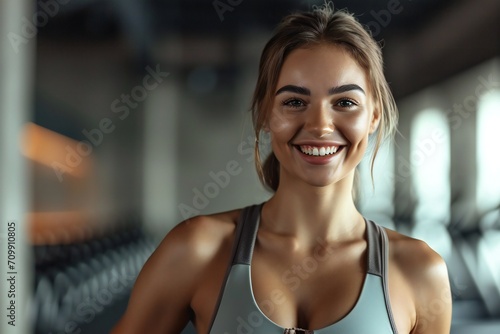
307,291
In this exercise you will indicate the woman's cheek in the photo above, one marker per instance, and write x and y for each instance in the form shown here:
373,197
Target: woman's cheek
280,124
355,128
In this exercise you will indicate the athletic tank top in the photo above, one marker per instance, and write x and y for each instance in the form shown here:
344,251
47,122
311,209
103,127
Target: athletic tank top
237,312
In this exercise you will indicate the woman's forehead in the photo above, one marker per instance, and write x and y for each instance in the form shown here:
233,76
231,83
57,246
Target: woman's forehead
321,66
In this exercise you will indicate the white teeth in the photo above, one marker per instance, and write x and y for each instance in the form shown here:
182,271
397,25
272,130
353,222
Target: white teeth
321,151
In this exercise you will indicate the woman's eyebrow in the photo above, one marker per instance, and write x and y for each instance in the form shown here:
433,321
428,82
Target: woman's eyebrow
294,89
345,88
331,91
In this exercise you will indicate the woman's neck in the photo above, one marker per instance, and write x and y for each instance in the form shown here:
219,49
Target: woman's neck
307,213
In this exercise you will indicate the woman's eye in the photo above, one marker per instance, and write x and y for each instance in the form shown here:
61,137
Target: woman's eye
345,103
293,103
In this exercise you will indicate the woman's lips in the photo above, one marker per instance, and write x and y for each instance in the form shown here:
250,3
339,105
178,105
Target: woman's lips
318,155
318,150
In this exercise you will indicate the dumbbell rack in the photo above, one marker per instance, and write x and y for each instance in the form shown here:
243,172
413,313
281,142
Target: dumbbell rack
75,283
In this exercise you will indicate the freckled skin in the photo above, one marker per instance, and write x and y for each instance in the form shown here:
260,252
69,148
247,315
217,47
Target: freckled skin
319,116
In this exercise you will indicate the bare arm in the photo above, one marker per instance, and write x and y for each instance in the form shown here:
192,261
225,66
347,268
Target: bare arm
432,294
161,297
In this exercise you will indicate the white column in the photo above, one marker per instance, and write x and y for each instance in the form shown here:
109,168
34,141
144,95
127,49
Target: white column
17,47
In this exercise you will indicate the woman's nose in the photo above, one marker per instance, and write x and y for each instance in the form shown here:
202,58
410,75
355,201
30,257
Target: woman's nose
319,121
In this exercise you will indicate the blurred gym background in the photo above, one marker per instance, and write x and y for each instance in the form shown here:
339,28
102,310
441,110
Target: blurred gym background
119,118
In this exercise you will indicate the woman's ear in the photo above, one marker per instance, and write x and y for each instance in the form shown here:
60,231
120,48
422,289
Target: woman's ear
375,120
265,127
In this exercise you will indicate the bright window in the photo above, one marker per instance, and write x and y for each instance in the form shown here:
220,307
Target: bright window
430,165
488,154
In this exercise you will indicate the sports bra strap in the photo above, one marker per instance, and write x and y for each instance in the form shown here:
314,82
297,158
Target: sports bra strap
376,248
246,234
244,240
378,259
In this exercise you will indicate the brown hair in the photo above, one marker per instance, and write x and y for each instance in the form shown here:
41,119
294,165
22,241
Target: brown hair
322,25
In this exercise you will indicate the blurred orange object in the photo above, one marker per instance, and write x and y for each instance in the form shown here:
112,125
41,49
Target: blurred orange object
54,150
63,176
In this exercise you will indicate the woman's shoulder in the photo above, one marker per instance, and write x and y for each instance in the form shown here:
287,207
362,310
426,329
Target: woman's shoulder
189,251
201,237
414,256
426,275
184,260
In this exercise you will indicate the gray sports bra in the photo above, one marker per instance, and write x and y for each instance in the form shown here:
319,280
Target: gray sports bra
238,313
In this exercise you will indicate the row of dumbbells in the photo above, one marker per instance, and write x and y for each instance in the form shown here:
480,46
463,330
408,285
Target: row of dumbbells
74,283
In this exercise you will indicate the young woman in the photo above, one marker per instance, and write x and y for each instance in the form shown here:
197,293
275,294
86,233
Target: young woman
305,261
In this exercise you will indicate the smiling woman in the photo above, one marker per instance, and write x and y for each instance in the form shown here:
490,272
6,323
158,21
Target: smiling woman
305,261
321,105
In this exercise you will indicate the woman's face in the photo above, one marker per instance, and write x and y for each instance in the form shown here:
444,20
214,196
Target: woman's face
322,115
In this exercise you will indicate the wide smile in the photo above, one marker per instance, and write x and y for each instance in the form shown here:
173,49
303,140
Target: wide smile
318,151
318,155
